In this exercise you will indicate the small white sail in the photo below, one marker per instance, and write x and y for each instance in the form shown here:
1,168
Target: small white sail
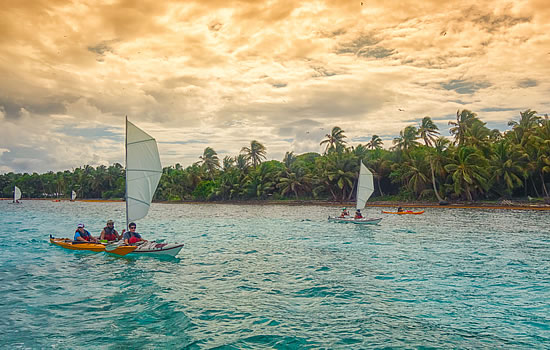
143,171
16,193
73,195
365,186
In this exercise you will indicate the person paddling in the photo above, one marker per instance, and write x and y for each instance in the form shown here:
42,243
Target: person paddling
109,233
132,237
358,214
82,235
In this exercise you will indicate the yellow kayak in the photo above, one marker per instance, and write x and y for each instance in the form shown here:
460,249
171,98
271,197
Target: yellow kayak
92,247
404,212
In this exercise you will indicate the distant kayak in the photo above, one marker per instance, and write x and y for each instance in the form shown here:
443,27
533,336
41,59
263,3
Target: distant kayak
404,212
90,246
363,221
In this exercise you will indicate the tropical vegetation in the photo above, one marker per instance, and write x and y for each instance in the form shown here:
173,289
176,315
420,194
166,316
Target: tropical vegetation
475,163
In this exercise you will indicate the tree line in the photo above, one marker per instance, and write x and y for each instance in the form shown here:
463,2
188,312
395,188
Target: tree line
476,163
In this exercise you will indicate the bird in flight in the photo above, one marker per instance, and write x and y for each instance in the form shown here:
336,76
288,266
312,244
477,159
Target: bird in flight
400,109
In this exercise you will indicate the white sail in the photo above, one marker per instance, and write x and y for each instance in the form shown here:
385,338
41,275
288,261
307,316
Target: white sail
73,195
143,171
16,194
365,186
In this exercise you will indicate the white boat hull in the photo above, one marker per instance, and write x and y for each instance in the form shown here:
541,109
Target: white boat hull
154,248
350,220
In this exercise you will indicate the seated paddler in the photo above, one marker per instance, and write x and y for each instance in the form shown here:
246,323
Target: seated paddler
358,214
109,233
131,236
82,235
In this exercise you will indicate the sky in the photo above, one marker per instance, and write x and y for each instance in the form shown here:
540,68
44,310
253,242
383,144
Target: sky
212,73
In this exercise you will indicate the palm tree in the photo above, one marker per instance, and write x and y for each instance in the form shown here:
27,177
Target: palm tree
506,168
375,142
210,161
293,182
289,159
334,140
528,120
427,131
255,153
407,139
464,121
468,171
438,157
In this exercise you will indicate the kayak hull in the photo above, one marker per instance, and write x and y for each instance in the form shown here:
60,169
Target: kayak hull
91,247
160,249
364,221
404,212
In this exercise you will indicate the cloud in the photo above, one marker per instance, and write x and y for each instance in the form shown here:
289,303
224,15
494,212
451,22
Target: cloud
217,73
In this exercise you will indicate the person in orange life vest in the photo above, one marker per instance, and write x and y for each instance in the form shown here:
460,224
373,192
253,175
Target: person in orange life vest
109,233
131,237
83,235
358,214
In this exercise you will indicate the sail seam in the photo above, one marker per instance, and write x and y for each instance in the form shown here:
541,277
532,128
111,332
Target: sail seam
134,142
138,200
150,171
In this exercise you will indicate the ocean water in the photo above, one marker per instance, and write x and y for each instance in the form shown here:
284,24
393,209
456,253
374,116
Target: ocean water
277,277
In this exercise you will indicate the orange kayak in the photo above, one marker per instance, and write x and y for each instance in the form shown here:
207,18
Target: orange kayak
404,212
92,247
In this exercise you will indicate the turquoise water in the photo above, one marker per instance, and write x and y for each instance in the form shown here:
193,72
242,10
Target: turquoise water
266,277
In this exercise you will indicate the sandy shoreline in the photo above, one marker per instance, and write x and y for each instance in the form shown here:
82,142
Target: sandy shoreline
515,205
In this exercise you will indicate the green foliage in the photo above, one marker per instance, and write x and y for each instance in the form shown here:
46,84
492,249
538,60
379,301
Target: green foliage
481,164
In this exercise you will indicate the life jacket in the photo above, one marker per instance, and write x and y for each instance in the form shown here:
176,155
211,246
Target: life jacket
109,233
133,239
85,235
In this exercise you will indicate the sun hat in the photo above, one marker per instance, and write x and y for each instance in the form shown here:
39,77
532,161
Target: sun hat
80,225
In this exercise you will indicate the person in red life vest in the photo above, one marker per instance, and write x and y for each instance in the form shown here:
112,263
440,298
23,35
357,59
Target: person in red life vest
109,233
82,235
132,237
358,214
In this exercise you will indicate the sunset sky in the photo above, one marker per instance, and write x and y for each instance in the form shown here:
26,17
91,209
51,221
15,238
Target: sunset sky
215,73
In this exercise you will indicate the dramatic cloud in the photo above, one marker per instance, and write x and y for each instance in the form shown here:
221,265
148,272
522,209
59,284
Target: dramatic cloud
283,72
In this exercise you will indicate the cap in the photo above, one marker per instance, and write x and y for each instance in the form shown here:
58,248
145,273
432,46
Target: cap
110,222
80,225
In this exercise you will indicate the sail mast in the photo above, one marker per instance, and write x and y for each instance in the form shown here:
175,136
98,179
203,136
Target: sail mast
126,171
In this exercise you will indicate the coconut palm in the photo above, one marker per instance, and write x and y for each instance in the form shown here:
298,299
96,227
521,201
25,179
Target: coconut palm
375,142
464,120
505,167
210,161
438,157
293,182
407,139
255,153
528,120
428,131
468,171
289,159
334,140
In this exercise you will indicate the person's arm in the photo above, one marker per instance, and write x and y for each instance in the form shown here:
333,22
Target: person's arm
125,237
102,235
118,237
79,238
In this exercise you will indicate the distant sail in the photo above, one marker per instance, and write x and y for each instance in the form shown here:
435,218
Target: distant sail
73,195
143,171
16,194
365,186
